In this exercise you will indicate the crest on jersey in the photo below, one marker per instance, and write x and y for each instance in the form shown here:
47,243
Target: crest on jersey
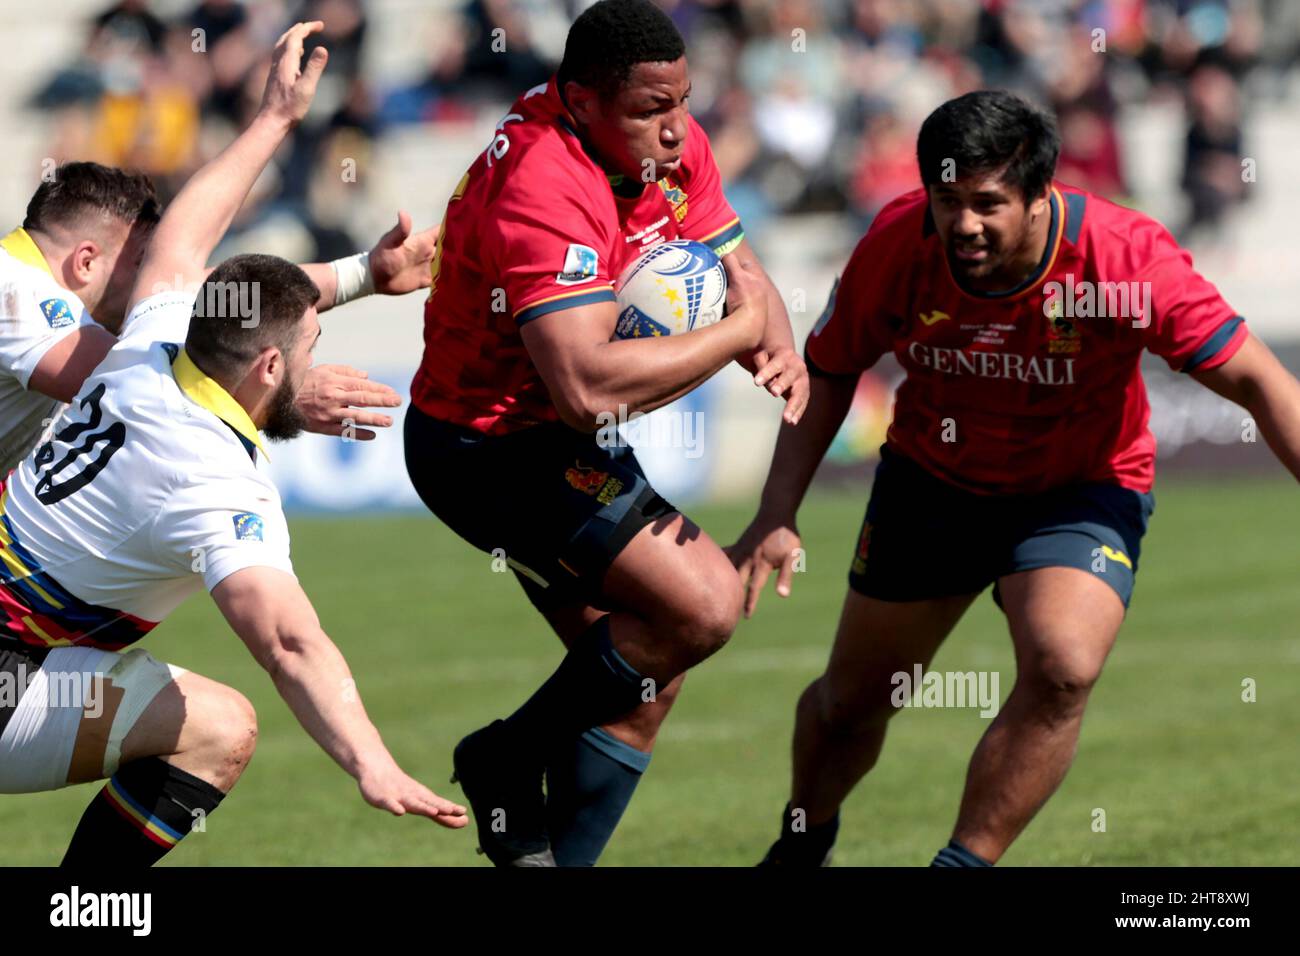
1063,336
248,526
580,265
676,197
57,313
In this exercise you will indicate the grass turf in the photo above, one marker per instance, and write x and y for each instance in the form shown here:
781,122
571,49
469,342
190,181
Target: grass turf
1186,772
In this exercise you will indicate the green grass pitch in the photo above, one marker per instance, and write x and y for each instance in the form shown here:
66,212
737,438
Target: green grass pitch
1186,772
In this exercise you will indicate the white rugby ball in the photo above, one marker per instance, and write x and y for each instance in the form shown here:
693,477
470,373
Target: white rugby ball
673,288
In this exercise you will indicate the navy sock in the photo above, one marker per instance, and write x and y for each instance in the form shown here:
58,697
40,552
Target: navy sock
589,783
142,812
954,854
592,686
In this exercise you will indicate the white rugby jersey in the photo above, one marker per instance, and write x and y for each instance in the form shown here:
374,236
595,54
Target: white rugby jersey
35,313
147,490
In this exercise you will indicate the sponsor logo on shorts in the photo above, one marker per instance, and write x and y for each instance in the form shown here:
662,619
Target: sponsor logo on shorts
57,313
1119,556
864,542
592,482
248,526
580,265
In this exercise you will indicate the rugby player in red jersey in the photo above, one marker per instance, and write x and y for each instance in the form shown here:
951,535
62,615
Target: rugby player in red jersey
1018,456
584,174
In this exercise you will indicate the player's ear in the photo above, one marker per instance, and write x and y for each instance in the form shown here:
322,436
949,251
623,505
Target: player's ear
83,259
270,367
1038,205
584,101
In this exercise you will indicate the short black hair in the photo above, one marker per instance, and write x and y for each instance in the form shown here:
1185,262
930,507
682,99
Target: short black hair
610,37
987,130
247,303
80,188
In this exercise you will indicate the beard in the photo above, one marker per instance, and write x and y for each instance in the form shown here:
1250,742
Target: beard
284,421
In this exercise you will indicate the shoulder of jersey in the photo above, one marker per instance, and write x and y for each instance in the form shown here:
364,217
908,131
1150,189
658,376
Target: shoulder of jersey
904,212
1124,237
542,151
29,292
898,229
181,432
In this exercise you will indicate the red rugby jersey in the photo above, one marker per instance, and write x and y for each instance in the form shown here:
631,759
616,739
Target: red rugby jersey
535,227
1038,386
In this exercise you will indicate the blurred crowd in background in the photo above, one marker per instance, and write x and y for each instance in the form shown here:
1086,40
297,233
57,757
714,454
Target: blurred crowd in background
811,105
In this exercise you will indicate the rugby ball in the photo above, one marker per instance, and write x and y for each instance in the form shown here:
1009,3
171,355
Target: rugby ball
673,288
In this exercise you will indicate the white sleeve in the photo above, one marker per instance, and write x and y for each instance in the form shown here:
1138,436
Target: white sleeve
162,317
216,526
31,322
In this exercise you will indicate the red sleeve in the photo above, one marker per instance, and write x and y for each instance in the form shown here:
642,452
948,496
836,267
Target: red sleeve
546,248
854,331
709,217
1191,326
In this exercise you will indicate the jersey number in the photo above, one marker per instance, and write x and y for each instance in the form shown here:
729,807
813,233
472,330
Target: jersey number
109,441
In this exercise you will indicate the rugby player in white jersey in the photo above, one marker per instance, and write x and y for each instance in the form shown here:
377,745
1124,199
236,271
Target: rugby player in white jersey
66,273
147,491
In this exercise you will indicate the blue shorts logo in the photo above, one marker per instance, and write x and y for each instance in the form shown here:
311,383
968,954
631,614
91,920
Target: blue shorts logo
57,313
248,526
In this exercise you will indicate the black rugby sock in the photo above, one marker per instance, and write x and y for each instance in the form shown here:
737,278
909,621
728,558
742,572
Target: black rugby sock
143,811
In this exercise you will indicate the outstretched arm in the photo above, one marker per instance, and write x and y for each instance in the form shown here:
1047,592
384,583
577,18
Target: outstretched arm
1259,383
268,609
398,264
772,538
199,216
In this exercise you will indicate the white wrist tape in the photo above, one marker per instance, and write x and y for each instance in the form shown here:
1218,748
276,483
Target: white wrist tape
352,278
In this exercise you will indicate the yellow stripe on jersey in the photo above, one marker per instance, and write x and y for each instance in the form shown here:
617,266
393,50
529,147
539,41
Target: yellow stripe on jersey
206,391
20,570
718,232
49,641
584,290
23,573
22,247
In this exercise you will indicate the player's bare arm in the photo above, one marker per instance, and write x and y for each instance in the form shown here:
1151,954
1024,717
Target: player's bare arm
1259,383
775,365
269,611
772,538
203,210
199,216
335,398
586,373
397,264
70,361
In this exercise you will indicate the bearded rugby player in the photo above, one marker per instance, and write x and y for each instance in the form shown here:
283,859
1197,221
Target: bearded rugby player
149,490
66,273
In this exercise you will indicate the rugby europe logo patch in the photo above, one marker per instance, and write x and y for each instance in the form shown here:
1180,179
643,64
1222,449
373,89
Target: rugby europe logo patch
57,313
248,526
580,265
